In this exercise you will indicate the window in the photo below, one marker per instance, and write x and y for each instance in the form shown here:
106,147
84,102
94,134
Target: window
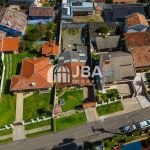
77,3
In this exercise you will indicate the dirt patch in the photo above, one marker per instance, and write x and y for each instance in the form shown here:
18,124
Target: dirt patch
90,18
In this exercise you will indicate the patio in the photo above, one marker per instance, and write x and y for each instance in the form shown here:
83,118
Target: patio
71,39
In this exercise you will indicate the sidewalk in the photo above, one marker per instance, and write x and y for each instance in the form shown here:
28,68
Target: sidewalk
38,129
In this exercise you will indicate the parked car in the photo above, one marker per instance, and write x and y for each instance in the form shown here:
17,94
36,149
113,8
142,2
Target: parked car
143,124
129,128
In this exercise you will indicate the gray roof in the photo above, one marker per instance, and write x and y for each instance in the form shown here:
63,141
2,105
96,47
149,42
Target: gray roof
2,33
94,26
13,19
108,42
74,56
121,65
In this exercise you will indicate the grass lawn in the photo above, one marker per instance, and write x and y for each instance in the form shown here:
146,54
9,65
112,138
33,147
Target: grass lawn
48,4
5,132
72,99
70,121
6,141
38,133
110,108
37,124
36,105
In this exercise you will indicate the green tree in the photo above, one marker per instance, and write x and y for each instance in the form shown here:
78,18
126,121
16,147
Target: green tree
22,45
103,29
3,3
51,26
95,57
32,36
41,29
109,1
49,36
89,146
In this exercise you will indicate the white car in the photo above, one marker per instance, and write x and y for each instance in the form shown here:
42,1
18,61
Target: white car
129,128
144,124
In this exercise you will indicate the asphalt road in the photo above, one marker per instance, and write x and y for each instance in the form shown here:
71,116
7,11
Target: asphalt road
91,131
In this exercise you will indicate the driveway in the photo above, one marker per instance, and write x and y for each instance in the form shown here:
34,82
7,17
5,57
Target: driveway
91,114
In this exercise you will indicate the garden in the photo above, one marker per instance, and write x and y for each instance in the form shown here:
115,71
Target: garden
72,98
112,142
109,108
37,33
70,121
110,94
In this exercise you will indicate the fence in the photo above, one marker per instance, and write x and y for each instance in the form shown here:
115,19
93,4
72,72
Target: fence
3,74
6,127
109,102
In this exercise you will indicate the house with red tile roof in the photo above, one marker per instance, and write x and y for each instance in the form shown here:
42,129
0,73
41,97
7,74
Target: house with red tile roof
9,44
136,23
34,75
50,48
138,44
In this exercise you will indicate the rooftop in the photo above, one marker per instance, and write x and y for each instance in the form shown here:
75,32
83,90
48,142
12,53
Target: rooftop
135,19
70,69
41,11
108,42
50,48
116,67
12,46
13,19
74,56
137,39
34,75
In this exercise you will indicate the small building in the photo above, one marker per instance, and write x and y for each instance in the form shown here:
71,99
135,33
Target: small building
138,44
9,44
50,49
69,72
106,44
120,11
41,15
76,8
136,23
116,67
13,22
34,76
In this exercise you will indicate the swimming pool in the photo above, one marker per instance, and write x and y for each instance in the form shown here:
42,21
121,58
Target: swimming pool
132,146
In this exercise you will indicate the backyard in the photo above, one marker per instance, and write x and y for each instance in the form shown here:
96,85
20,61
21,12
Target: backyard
36,105
73,99
70,121
109,108
90,18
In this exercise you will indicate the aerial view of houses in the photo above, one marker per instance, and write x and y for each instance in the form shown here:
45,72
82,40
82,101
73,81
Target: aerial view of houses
75,74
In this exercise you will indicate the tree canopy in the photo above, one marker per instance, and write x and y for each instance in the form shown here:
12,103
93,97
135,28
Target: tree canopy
89,146
103,29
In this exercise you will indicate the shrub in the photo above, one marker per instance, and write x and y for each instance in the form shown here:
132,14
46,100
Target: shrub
103,29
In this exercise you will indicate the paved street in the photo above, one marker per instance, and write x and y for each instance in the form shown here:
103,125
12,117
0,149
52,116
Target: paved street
81,133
